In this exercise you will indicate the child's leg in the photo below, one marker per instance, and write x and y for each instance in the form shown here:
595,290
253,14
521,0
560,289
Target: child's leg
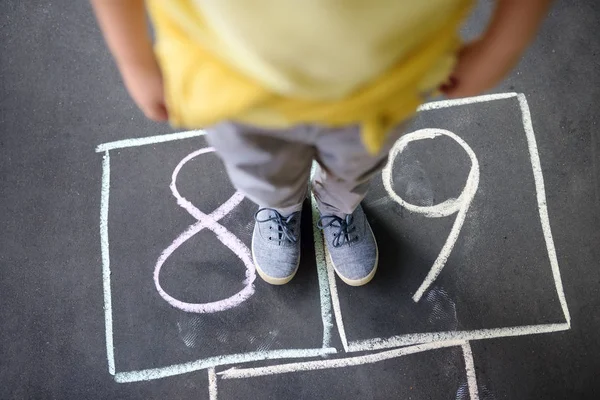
346,168
271,168
340,183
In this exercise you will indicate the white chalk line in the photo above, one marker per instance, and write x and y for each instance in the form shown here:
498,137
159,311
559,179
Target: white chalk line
212,384
542,207
470,369
435,105
121,144
322,276
108,319
325,270
242,373
227,238
432,337
178,369
335,300
446,208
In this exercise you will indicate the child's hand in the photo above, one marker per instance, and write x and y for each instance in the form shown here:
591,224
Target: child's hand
484,62
477,70
125,29
145,86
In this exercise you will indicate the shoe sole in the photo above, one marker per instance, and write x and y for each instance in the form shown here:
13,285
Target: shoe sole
270,279
362,281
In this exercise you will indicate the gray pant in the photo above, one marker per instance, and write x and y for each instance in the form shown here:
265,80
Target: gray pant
272,167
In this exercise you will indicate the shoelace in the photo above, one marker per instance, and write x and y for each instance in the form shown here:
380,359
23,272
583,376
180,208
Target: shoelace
344,226
284,231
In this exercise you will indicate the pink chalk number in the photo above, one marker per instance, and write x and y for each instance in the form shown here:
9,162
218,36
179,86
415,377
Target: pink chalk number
210,222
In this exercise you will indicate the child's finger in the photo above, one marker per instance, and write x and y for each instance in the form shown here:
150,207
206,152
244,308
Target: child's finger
157,112
449,85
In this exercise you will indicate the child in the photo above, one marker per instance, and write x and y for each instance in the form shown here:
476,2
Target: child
279,83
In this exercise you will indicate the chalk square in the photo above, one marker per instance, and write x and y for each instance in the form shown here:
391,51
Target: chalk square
504,282
146,337
404,373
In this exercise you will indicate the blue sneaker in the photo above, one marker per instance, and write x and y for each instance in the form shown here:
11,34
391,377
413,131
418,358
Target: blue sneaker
351,246
276,245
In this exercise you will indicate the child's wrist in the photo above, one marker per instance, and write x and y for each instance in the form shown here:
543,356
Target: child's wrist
501,49
135,62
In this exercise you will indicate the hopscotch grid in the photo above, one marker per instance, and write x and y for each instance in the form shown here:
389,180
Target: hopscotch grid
305,366
246,373
478,334
417,339
209,362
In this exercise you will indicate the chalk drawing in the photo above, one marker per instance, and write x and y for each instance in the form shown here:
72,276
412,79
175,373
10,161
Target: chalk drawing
225,236
416,342
209,362
444,209
247,373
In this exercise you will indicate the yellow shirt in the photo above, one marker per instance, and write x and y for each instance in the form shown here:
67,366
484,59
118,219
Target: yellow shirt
277,63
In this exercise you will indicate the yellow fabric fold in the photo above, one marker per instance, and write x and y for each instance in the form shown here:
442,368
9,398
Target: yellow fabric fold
203,86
